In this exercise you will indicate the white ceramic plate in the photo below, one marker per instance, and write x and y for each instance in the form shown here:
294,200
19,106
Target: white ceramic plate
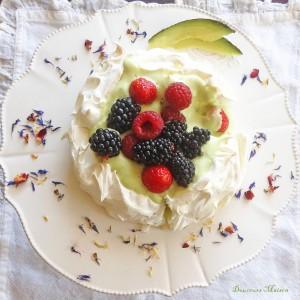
52,226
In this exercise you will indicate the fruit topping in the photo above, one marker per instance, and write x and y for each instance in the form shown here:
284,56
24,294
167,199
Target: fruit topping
224,121
105,142
182,169
178,95
122,114
127,145
170,114
153,152
157,178
147,125
193,141
174,131
142,91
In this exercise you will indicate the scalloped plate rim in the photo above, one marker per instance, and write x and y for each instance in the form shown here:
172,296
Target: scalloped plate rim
274,217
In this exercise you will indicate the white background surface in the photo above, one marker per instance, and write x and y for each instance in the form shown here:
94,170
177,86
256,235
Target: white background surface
275,30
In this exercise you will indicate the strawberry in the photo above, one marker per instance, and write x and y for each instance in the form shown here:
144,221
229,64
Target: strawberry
178,95
142,91
157,178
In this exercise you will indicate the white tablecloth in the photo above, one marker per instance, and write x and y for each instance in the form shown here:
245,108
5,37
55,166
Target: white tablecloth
275,28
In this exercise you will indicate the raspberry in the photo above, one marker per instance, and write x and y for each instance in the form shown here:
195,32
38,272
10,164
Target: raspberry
178,95
147,125
142,91
224,122
170,114
127,145
157,178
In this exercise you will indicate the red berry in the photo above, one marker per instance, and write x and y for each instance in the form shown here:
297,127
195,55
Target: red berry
157,178
170,114
249,195
147,125
254,73
224,121
178,95
142,91
127,145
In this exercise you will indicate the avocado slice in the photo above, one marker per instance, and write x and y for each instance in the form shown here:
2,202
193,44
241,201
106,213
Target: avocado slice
221,46
204,29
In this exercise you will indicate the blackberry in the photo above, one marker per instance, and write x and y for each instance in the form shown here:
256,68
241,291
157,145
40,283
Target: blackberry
153,152
122,114
182,168
105,142
193,141
201,135
174,131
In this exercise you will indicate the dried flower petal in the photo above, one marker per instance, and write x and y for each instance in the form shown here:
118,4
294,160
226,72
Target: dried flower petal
201,232
254,73
238,194
150,271
57,182
101,47
249,195
234,226
224,234
13,125
81,228
95,258
84,277
185,245
220,226
240,238
244,79
229,229
196,249
34,156
19,179
40,136
292,176
252,185
73,249
101,246
88,44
